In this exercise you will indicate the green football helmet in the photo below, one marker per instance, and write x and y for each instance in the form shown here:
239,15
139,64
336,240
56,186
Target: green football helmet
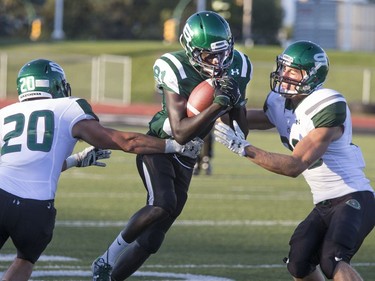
42,79
307,57
209,33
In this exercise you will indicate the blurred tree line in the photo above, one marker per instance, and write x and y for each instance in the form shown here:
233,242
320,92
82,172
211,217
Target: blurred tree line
131,19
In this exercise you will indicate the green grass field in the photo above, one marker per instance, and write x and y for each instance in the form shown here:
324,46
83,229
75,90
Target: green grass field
236,225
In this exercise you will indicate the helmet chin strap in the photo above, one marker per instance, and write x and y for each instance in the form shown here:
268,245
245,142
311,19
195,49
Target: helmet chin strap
68,89
287,91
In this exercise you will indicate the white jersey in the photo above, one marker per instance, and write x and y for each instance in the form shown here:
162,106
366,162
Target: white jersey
340,170
36,138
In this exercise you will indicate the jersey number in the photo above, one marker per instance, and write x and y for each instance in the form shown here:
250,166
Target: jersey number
43,118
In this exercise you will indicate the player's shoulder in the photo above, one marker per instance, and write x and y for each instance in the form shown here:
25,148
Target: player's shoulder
240,57
325,93
173,69
241,65
175,61
69,102
321,99
325,107
74,106
78,100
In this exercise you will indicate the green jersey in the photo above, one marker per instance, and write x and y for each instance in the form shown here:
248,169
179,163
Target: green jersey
174,72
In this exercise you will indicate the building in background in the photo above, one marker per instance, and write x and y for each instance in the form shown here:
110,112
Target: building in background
347,25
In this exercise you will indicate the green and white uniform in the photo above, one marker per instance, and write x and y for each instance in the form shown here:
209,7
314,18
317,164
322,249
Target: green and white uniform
167,176
340,170
174,72
36,138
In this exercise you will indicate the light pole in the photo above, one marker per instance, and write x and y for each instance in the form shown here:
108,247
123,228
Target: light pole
246,23
58,32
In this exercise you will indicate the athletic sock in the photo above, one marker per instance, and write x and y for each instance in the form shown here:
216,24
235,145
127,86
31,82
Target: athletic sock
116,248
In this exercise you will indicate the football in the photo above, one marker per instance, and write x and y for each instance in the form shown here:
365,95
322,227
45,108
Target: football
200,98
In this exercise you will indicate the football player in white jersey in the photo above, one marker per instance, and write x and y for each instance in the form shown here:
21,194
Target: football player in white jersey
315,124
208,53
37,135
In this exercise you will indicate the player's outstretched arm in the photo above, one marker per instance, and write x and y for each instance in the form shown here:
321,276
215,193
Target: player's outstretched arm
95,134
307,152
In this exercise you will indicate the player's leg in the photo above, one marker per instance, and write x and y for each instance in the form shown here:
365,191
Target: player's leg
140,250
316,275
19,270
157,173
146,244
32,223
344,272
136,225
305,246
152,238
351,222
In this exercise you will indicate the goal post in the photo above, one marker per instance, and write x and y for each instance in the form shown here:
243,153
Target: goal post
111,79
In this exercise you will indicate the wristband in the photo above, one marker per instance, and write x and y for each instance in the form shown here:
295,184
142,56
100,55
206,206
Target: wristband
171,146
71,161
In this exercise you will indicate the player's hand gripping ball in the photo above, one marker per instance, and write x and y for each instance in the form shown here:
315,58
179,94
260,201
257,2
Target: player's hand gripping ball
200,98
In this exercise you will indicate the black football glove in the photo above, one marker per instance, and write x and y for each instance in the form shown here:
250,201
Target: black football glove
227,92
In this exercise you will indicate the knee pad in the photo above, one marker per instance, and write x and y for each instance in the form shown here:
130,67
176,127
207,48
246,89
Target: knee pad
142,220
300,269
151,240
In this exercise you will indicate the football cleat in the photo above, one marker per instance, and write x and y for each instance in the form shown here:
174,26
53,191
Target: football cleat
101,271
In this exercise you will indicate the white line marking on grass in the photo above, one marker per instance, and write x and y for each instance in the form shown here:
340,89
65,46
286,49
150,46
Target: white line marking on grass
175,276
10,257
242,266
100,224
300,196
182,276
44,272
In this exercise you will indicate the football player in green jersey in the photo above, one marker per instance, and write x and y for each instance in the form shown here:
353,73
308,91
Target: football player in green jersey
208,53
315,124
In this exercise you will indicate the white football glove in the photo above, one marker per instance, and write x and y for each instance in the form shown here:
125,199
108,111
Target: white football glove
88,157
234,140
190,149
